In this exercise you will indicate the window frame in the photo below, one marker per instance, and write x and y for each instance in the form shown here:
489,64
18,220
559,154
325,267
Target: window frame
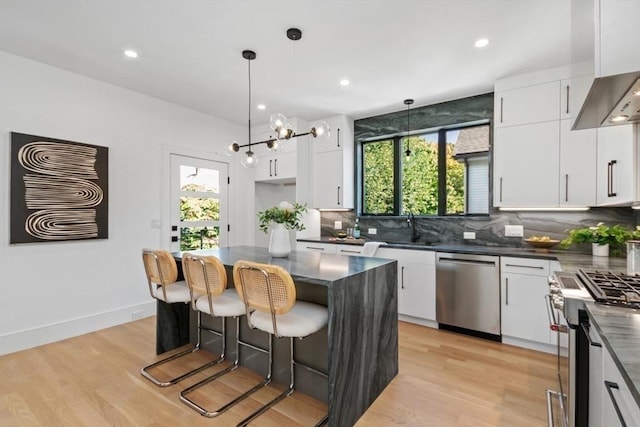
397,171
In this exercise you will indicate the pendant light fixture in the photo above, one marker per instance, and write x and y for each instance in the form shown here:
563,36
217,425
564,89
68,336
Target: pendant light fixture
278,122
407,153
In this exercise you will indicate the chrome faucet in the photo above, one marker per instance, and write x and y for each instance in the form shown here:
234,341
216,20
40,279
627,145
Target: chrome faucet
411,222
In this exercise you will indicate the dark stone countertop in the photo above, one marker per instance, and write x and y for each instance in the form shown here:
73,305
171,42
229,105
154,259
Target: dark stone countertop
620,332
312,267
570,261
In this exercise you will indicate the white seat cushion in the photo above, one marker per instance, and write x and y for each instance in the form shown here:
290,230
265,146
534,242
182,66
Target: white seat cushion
228,304
176,292
303,319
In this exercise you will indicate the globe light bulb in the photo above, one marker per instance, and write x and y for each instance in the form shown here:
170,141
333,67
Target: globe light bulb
231,148
278,121
249,160
320,130
275,146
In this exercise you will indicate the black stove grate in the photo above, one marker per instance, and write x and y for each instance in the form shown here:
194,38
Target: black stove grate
613,287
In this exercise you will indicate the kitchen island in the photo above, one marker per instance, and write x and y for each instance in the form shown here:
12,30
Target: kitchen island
359,347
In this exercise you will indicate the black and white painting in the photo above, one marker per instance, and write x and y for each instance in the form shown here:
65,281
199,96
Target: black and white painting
59,190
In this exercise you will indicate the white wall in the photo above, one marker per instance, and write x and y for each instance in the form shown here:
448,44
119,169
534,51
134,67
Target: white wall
51,291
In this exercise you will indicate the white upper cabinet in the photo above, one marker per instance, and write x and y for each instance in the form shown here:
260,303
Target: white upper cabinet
616,166
617,37
577,166
529,104
573,92
332,164
526,165
277,168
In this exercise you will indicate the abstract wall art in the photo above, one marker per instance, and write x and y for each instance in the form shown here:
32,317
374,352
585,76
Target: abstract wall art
59,190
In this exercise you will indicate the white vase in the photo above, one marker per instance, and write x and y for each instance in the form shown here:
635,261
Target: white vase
279,243
599,250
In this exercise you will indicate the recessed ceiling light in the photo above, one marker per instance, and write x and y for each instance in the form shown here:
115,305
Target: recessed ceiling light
344,82
261,106
131,53
482,42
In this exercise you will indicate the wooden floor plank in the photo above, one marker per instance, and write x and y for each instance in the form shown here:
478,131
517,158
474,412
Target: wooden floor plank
445,379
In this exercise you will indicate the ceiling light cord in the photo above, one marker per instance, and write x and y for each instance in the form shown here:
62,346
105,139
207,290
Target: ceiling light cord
407,153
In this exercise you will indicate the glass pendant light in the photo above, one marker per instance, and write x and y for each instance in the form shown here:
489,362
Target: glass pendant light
320,130
407,153
250,159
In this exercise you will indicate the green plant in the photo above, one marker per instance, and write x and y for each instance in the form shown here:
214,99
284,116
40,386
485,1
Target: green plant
615,236
285,213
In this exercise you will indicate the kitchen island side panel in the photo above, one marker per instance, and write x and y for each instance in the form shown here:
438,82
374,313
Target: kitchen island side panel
363,341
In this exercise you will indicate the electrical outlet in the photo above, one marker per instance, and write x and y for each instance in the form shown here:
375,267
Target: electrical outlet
469,235
372,231
337,225
513,230
137,314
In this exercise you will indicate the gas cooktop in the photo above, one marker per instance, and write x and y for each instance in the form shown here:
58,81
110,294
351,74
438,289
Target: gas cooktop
610,287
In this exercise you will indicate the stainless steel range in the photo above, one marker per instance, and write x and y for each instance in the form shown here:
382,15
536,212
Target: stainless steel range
568,293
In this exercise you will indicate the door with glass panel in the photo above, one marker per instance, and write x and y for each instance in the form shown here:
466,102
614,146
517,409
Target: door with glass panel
199,203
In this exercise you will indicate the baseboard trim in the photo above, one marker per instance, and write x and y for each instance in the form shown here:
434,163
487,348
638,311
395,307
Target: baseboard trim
533,345
29,338
418,321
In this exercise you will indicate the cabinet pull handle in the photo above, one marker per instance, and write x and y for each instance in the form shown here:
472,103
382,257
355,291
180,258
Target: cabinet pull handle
275,167
500,189
501,109
402,277
566,187
270,164
338,137
315,247
506,291
609,179
585,329
613,163
346,251
338,195
567,99
537,267
610,385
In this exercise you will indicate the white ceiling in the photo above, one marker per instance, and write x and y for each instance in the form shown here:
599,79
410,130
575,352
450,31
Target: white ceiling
190,51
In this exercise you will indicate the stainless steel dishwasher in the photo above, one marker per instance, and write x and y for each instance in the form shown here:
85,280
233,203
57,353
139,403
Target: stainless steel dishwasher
468,292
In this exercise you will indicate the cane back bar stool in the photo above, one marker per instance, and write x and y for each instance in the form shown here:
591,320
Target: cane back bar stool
162,273
207,281
270,291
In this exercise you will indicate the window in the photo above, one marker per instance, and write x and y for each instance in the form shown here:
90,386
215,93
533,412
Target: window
446,173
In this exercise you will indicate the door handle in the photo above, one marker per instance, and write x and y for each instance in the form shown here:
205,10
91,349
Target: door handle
501,109
338,137
506,280
501,189
566,187
338,195
402,277
275,167
611,385
270,164
613,163
585,329
567,99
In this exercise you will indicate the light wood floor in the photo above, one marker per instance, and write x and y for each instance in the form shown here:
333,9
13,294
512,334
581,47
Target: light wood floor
445,379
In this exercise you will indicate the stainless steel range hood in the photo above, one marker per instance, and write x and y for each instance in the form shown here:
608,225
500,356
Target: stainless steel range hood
612,100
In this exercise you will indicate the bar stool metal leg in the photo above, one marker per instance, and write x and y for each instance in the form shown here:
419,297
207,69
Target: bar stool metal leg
214,413
145,371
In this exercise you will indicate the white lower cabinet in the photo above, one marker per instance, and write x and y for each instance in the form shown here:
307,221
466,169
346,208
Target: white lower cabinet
327,248
619,407
524,316
416,283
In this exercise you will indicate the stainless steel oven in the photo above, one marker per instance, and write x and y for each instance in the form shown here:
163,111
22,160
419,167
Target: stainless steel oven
566,404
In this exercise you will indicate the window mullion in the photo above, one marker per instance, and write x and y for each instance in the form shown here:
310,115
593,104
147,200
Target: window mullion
397,175
442,172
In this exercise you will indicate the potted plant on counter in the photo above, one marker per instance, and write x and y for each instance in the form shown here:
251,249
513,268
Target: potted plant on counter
603,238
286,216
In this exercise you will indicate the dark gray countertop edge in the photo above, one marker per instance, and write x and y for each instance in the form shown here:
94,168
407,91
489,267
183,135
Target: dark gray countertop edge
620,333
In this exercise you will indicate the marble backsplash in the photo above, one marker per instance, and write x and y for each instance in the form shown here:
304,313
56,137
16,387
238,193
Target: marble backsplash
489,229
